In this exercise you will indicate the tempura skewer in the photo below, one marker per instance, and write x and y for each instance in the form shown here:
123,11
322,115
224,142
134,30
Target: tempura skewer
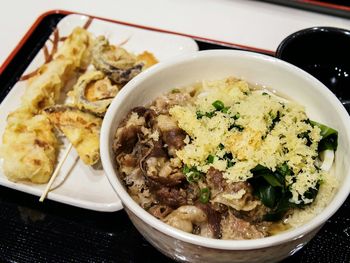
55,173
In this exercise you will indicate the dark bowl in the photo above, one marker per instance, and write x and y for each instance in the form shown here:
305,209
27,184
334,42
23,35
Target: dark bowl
324,52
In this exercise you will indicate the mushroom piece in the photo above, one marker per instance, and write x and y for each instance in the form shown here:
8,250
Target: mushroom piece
119,65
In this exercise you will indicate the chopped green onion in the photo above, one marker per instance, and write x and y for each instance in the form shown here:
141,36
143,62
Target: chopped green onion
209,114
210,159
204,195
221,146
228,156
235,126
190,178
230,163
225,110
236,116
199,115
284,170
185,169
218,105
305,135
192,174
275,120
311,193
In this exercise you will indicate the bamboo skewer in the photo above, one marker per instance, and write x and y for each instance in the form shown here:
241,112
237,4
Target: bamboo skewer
55,173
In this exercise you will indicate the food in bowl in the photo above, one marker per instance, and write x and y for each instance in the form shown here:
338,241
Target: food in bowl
226,159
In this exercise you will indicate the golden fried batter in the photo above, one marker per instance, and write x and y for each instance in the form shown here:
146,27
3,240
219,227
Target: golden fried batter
29,147
147,58
81,128
44,89
118,64
94,92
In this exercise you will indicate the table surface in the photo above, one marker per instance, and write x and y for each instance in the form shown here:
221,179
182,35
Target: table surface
53,232
245,22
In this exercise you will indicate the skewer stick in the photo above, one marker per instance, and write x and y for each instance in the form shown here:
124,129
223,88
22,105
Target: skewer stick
55,173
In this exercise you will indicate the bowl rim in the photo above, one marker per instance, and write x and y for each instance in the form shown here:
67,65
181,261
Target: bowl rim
310,30
291,235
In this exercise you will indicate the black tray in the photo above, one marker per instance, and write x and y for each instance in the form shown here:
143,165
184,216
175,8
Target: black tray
339,8
52,232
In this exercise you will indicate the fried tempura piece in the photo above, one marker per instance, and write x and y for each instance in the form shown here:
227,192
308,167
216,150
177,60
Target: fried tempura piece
29,147
81,128
44,88
147,58
94,92
29,144
117,63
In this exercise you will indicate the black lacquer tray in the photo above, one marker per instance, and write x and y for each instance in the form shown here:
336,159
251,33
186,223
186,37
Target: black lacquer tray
339,8
52,232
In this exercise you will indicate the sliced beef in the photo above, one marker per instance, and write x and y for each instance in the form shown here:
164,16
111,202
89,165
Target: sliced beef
215,181
217,184
138,189
239,229
255,215
220,208
171,134
158,182
245,206
160,211
149,115
214,219
163,103
127,139
157,168
127,160
235,187
193,193
141,111
148,150
171,196
174,139
157,149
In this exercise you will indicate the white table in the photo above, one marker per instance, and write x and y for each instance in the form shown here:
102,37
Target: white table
243,22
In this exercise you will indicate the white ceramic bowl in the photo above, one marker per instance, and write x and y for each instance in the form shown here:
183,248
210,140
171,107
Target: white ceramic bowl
321,105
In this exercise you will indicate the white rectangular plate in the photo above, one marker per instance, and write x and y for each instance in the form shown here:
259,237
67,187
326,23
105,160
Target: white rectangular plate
85,186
